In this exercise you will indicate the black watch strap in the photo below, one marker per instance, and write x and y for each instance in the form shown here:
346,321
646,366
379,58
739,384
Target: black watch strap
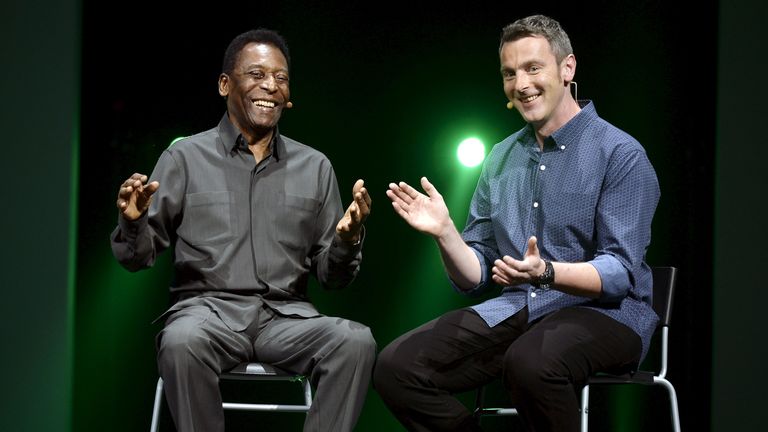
547,278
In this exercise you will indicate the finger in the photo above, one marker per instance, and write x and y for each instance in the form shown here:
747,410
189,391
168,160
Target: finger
151,188
501,276
533,247
363,201
500,268
392,195
366,197
512,267
125,192
354,212
401,191
357,186
429,188
501,280
400,211
408,190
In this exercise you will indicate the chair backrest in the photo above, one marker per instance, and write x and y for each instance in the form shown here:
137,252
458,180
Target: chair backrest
664,279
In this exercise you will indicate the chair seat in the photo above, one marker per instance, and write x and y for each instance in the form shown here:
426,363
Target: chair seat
260,371
253,372
639,377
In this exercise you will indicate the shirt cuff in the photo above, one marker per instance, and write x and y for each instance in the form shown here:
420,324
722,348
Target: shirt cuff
132,228
614,278
480,287
346,248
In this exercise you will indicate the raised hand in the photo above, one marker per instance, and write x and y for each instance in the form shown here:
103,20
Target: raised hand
508,271
135,195
426,213
351,223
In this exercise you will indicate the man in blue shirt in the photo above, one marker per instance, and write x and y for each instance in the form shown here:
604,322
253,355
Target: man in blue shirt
560,220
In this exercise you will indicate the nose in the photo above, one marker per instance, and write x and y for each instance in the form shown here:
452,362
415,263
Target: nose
269,83
522,82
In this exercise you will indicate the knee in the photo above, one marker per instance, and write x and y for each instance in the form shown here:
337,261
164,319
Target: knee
391,370
177,345
355,341
528,371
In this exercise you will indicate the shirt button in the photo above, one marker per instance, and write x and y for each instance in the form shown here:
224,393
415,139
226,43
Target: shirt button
562,147
533,294
535,204
543,167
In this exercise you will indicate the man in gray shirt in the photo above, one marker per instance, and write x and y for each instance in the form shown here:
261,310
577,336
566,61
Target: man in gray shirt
250,214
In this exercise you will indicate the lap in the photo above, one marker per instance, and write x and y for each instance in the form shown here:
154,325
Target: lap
457,351
260,333
579,341
284,337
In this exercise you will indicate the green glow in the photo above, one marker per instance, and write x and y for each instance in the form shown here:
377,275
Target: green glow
471,152
176,139
622,406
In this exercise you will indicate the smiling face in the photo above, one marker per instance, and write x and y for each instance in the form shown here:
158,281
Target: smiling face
257,89
537,84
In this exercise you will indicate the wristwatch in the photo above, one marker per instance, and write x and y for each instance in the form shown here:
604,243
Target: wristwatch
546,278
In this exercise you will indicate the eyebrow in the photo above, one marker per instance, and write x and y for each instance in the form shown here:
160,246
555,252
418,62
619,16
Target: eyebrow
523,66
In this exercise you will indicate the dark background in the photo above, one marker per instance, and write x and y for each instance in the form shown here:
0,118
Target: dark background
96,91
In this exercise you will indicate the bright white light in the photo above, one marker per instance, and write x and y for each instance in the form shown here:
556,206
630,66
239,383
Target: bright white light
471,152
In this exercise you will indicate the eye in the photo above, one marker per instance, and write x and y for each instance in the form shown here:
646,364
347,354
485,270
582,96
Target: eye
534,69
282,77
508,74
257,74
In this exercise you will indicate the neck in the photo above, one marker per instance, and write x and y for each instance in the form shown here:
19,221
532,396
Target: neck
258,143
566,111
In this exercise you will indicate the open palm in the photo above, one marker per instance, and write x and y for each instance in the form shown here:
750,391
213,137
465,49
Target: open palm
426,213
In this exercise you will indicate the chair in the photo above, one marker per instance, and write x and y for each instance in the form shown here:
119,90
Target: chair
664,279
252,372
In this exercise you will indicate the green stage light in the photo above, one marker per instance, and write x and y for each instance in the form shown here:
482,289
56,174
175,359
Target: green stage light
471,152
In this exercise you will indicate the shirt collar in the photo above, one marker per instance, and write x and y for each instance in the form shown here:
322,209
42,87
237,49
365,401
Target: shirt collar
570,132
233,139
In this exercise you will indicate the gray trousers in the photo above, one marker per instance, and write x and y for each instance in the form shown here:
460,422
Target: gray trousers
205,336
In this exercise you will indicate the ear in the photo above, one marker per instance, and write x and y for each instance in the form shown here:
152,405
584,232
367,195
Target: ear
568,68
224,85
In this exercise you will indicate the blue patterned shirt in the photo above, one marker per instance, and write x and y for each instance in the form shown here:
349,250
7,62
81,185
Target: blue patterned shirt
589,196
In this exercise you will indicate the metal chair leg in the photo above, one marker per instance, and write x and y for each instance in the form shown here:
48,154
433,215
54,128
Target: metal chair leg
158,404
585,409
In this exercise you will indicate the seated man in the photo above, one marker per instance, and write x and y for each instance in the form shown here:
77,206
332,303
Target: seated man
250,214
561,220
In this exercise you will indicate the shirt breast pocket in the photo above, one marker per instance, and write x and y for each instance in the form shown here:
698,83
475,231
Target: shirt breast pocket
295,222
571,220
208,218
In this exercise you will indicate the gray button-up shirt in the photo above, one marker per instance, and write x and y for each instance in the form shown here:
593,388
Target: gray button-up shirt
240,227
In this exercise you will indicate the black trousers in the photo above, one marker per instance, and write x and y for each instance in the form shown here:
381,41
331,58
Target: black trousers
543,365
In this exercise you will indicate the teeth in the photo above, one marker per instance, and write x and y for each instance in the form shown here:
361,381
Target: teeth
529,98
264,103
